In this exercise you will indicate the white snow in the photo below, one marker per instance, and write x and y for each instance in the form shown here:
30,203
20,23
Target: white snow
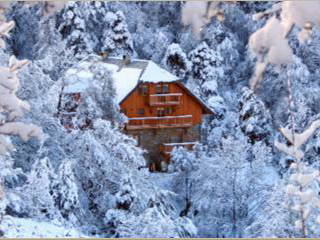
125,80
153,73
27,228
78,80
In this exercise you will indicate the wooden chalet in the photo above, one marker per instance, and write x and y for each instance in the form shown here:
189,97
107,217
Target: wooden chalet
162,113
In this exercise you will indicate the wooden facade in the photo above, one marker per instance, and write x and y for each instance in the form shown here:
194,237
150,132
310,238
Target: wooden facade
159,107
162,105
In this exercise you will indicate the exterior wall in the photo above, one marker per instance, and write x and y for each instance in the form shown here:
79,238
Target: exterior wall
151,139
188,106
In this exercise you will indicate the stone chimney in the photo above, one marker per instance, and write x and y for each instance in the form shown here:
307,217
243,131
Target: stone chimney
126,59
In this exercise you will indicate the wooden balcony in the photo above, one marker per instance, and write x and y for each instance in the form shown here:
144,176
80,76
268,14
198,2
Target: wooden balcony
168,99
159,122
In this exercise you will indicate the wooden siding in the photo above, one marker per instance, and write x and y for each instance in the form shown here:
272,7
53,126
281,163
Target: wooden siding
137,105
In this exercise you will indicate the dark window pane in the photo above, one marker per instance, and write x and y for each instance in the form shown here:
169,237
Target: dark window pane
165,88
158,89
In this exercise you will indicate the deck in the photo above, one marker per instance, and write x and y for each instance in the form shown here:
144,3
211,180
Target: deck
159,122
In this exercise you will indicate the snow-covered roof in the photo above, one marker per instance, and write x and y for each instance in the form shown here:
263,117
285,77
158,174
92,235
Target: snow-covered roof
126,77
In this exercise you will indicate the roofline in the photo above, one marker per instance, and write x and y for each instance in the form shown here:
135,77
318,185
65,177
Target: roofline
129,93
198,100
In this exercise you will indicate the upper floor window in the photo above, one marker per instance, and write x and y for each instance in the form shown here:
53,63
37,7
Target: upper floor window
144,90
162,88
158,88
165,88
160,112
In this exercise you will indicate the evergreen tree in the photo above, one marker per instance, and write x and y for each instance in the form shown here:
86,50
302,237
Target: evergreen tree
205,69
176,61
255,120
116,39
73,29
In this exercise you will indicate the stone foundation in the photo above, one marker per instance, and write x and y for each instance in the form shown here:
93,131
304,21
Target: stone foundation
151,139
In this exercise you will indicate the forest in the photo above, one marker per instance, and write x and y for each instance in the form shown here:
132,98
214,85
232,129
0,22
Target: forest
255,172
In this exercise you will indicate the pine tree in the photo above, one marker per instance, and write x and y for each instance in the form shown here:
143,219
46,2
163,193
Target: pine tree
255,119
176,61
205,69
74,30
65,192
116,39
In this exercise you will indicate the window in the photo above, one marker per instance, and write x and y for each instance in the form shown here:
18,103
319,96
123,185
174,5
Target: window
140,111
165,88
162,88
158,89
144,90
160,112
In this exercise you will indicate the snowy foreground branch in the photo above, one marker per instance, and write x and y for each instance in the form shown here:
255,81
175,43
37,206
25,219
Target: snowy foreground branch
197,14
303,183
11,107
270,43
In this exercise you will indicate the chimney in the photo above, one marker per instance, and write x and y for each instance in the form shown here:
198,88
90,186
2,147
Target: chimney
104,55
126,59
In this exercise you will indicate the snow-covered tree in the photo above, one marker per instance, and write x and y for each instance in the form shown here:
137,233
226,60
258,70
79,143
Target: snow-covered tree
99,100
185,162
78,110
35,198
65,192
73,29
205,69
273,218
176,61
11,109
124,200
157,220
105,153
255,119
116,39
226,184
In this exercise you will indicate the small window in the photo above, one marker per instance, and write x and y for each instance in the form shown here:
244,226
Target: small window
144,90
160,112
158,89
165,88
140,111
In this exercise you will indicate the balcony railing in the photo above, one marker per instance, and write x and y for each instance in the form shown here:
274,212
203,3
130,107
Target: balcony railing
159,122
165,99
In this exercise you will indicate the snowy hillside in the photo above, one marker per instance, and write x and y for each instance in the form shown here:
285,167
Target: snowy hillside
68,168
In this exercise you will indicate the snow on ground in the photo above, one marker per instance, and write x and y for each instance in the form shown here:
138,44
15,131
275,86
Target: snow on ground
163,181
27,228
